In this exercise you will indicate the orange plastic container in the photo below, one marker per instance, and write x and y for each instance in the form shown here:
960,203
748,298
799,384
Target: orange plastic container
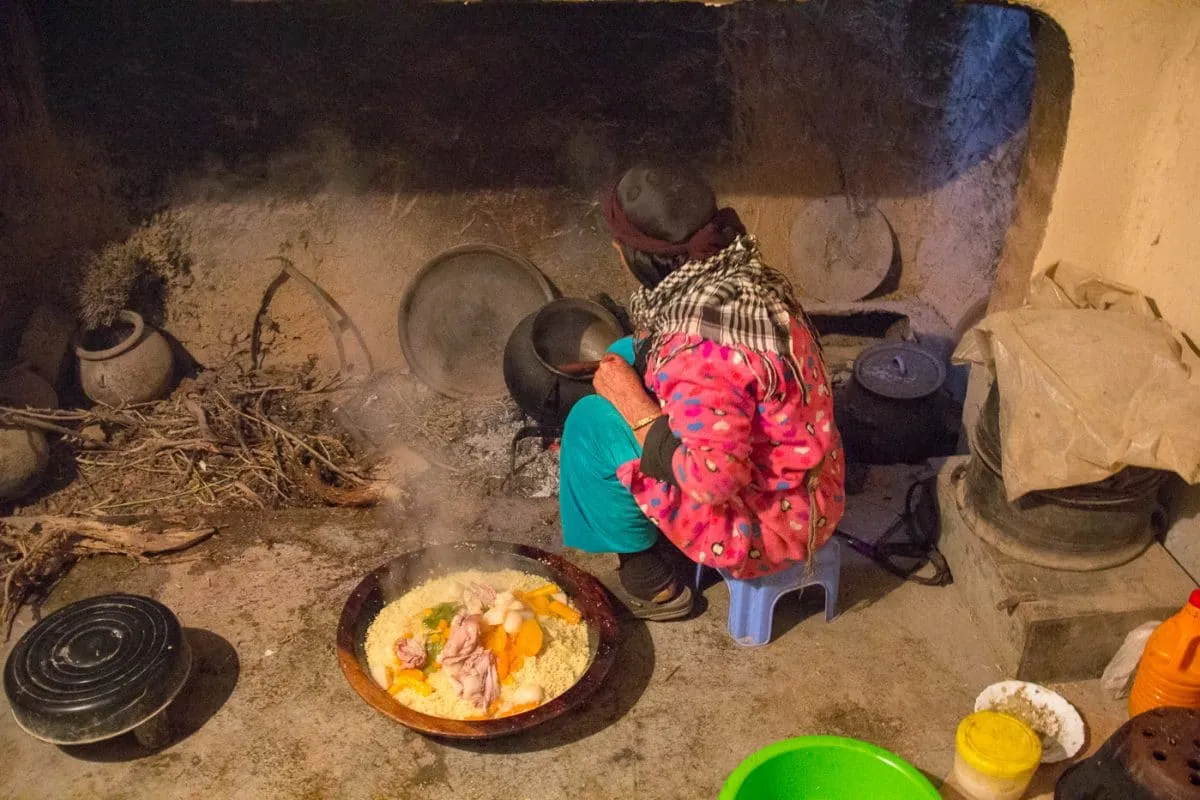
1169,673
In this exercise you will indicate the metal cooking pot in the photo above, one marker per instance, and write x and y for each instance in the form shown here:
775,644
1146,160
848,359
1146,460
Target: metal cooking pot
1078,528
894,409
564,331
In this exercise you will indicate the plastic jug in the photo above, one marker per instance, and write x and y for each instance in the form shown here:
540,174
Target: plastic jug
1169,674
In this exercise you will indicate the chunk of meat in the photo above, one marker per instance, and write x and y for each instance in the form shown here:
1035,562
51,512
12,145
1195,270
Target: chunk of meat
478,596
470,668
476,679
410,652
463,640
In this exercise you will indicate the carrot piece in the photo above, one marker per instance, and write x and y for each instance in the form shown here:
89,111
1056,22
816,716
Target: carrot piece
519,708
540,605
410,679
515,664
564,611
529,638
503,665
545,591
496,640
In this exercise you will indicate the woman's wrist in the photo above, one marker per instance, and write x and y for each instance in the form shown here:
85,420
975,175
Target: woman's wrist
641,414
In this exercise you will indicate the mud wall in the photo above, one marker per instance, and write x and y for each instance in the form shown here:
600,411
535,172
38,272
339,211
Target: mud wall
362,142
1126,170
57,197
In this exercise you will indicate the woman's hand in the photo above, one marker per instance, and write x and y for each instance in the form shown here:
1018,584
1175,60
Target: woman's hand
619,384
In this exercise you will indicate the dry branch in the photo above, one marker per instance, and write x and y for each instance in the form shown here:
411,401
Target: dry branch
36,550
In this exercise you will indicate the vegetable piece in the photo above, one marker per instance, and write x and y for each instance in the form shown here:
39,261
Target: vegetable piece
544,591
529,694
503,665
442,612
519,708
529,638
540,605
512,623
515,663
410,679
564,611
496,640
382,675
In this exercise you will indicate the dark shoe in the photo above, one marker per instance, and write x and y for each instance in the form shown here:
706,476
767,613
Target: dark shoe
678,607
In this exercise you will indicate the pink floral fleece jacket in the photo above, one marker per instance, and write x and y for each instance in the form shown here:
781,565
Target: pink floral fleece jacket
761,479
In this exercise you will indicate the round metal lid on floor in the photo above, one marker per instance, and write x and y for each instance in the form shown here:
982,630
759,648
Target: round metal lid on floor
96,669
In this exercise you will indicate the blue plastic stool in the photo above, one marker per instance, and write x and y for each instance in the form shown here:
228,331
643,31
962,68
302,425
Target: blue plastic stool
752,602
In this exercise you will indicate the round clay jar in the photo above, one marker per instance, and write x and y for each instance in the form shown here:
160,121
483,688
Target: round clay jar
24,453
135,368
21,387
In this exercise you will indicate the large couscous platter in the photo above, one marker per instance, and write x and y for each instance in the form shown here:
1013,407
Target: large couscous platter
476,640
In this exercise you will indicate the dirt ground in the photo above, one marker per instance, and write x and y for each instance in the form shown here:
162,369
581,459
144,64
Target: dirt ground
267,713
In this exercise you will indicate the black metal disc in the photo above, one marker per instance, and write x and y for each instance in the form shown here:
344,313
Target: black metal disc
97,668
458,312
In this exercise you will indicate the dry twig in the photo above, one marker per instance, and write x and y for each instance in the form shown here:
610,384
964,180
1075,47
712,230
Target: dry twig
36,550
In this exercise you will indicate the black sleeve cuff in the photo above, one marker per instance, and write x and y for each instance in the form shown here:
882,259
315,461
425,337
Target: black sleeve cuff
659,451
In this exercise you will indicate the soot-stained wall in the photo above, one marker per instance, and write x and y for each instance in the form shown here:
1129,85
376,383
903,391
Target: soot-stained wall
362,141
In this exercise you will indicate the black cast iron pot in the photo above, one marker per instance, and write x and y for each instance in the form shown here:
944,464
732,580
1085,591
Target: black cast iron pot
565,331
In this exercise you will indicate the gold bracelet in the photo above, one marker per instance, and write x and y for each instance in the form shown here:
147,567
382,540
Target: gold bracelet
641,423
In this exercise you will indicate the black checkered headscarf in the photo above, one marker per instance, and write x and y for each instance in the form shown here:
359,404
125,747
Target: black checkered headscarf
732,298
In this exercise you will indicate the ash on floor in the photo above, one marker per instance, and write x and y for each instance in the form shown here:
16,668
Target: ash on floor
472,439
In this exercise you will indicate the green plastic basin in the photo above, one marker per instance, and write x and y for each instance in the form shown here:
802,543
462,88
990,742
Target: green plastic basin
826,768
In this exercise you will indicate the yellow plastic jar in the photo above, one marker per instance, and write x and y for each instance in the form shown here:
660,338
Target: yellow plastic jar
995,756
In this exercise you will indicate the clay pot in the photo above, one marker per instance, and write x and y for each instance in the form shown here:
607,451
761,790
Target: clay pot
24,453
21,387
130,362
564,331
24,456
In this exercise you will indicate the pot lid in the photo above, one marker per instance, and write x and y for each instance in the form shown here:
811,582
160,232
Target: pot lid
457,315
899,371
96,669
840,252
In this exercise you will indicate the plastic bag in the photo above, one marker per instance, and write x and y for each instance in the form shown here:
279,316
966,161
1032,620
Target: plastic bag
1118,675
1089,367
